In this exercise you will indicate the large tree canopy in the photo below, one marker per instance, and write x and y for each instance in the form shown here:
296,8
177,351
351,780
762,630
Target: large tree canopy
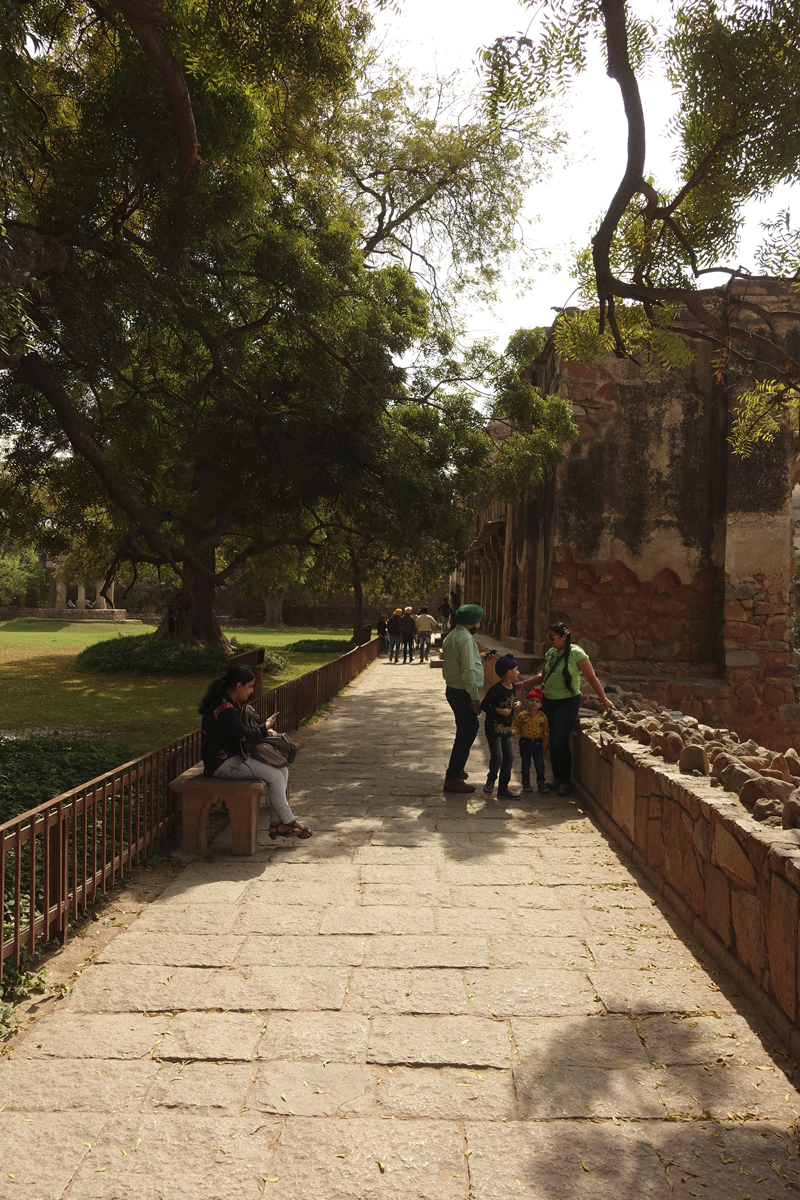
215,331
733,65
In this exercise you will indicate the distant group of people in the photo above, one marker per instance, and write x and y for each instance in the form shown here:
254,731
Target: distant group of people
410,632
552,701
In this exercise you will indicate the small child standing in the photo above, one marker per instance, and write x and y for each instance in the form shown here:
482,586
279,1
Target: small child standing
499,705
534,736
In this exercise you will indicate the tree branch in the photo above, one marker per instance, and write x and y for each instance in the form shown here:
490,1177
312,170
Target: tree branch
39,375
144,19
122,210
404,216
620,69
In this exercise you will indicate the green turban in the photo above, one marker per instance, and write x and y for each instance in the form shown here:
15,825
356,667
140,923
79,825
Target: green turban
469,614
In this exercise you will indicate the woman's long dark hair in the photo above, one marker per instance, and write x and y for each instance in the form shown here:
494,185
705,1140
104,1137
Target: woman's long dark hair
218,687
564,631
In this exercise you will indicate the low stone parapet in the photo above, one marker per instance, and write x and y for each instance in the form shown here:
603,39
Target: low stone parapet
734,879
79,614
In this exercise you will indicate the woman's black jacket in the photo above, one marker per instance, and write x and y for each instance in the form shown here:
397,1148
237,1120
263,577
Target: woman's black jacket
227,729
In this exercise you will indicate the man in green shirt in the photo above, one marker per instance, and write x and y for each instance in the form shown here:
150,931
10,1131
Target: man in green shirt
462,668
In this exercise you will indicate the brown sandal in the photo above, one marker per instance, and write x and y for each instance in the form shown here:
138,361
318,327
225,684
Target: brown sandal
293,829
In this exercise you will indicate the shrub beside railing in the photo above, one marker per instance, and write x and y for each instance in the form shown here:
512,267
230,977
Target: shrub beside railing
54,859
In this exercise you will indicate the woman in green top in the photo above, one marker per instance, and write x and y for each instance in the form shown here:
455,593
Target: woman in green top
561,690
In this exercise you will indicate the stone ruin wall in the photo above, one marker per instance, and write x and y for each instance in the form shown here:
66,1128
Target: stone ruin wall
671,558
713,822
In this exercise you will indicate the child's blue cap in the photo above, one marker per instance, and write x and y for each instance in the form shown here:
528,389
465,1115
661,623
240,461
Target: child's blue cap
505,664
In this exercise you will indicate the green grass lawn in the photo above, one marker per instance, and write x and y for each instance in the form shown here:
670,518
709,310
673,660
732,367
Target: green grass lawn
40,689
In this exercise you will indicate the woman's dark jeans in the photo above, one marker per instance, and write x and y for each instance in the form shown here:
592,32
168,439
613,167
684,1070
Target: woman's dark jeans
460,701
501,749
561,716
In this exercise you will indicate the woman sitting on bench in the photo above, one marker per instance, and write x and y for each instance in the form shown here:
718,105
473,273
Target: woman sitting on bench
226,733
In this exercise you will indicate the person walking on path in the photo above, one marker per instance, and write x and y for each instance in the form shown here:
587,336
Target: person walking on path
445,612
393,627
383,633
227,732
500,707
408,627
425,627
561,690
533,732
462,667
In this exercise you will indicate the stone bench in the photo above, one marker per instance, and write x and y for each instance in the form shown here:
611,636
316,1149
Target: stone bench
198,792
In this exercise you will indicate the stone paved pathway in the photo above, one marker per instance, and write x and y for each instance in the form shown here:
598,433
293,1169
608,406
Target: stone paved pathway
435,998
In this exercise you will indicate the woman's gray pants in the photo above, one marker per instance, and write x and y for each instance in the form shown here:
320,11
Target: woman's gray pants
275,779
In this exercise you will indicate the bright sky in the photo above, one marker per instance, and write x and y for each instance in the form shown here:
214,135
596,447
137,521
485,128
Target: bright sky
440,36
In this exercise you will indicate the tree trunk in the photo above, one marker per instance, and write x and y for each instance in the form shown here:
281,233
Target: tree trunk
358,594
190,617
273,609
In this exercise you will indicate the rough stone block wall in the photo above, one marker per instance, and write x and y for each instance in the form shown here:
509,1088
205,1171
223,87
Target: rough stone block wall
645,627
730,657
733,878
757,644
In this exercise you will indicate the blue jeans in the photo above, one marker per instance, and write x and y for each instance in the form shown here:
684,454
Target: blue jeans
501,749
460,701
386,642
531,750
394,647
561,716
424,646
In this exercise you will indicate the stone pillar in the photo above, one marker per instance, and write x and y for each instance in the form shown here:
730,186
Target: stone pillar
100,601
498,592
61,594
757,636
509,627
490,589
81,596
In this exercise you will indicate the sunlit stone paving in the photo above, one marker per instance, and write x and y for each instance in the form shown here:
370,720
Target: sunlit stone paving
437,997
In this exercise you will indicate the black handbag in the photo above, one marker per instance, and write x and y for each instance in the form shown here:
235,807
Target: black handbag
277,751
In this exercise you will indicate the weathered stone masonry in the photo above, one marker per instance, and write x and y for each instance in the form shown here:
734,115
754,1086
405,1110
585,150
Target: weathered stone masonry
670,557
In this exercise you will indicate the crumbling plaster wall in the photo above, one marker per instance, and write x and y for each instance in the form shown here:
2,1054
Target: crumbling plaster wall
672,557
640,518
644,483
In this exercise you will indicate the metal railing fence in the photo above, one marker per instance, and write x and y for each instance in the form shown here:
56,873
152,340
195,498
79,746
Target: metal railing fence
54,859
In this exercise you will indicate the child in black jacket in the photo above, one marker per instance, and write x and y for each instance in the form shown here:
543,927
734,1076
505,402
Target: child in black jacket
499,705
